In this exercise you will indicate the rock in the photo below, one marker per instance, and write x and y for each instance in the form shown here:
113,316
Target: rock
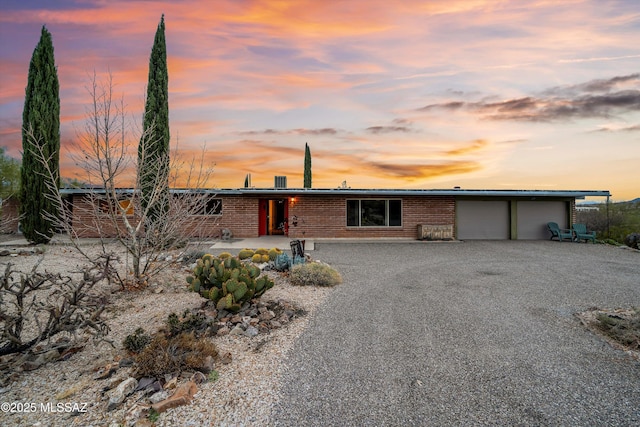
136,413
117,396
225,358
4,252
208,365
237,330
198,377
251,331
633,240
236,319
105,372
246,320
171,384
182,396
223,331
158,396
144,383
126,362
267,315
275,324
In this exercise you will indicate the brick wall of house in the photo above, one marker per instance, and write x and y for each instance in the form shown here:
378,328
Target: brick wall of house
316,216
326,216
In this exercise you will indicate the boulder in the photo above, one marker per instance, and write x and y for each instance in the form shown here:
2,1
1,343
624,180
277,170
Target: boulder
182,396
633,240
117,396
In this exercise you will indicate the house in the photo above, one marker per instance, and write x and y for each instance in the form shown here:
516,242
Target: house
376,213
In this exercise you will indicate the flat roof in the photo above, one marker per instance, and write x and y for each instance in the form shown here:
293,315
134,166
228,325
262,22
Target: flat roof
578,194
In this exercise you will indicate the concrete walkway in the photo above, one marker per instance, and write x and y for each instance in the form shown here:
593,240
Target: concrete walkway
475,333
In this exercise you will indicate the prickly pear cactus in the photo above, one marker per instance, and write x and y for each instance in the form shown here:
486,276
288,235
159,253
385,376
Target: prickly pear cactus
228,282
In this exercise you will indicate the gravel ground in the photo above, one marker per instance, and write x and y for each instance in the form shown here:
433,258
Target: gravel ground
474,333
243,394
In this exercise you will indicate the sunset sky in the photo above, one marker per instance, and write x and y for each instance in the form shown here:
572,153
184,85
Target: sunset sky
482,94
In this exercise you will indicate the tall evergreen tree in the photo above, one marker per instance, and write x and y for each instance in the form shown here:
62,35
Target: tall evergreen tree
307,166
40,131
153,150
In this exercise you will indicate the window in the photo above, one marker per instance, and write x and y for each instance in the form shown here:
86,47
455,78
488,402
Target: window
374,213
212,207
126,205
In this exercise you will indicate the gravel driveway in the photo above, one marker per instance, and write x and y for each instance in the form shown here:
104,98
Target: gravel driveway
473,333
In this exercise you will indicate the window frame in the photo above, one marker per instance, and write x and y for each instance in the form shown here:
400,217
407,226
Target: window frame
216,212
387,216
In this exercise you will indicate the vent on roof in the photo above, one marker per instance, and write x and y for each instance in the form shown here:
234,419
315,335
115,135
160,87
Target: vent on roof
280,182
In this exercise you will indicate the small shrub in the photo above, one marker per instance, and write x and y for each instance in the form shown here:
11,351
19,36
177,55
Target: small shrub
314,274
623,329
137,341
213,375
196,322
174,354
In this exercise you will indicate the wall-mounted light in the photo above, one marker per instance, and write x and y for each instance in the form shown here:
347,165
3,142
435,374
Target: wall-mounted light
292,201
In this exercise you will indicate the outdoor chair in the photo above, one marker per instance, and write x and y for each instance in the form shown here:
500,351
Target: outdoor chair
560,233
583,234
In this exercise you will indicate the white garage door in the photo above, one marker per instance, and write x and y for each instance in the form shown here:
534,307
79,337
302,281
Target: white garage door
482,220
534,216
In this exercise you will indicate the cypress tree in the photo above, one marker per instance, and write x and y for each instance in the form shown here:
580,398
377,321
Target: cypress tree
307,166
40,130
153,150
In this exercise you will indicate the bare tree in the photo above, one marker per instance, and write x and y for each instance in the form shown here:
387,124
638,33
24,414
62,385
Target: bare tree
113,208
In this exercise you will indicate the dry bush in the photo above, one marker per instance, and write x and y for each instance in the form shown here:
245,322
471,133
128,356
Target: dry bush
314,274
624,329
175,354
37,306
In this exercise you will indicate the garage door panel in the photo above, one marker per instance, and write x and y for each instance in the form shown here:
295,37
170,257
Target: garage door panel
482,220
533,217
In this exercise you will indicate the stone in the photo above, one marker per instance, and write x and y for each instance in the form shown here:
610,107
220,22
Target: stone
275,324
198,377
208,365
171,384
251,331
632,240
144,383
225,358
236,319
126,362
158,396
237,330
4,252
223,331
117,396
106,371
137,412
182,396
267,315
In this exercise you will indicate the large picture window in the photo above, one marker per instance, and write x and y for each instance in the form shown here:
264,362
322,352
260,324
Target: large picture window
212,207
374,213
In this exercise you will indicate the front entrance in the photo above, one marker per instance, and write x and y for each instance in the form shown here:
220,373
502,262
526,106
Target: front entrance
274,215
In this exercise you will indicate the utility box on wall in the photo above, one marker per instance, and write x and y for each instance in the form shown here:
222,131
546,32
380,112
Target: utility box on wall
435,232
